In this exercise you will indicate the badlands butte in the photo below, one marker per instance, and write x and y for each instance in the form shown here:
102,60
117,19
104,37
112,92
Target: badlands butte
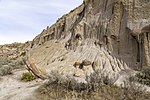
110,36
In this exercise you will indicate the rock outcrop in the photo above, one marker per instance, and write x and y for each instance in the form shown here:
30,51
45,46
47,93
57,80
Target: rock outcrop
114,35
31,67
110,35
121,26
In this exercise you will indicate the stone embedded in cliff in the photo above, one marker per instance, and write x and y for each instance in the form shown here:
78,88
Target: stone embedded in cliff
76,64
86,62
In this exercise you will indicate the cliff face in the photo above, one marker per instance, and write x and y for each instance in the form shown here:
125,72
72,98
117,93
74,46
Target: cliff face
121,26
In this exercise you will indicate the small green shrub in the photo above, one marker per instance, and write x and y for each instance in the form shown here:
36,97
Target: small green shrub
27,77
5,70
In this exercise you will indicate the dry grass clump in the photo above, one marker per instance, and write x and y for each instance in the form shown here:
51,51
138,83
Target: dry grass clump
17,64
4,60
98,87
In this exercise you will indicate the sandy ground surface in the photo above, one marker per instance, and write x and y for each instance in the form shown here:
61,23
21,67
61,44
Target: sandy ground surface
11,88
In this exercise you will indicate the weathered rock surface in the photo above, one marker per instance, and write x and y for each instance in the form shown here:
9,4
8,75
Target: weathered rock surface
92,58
113,35
31,67
121,26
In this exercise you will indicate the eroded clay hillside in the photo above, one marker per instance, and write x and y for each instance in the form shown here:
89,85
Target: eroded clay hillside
120,26
111,37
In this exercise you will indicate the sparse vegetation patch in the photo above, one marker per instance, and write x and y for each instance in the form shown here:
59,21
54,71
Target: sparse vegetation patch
143,76
5,70
98,87
27,77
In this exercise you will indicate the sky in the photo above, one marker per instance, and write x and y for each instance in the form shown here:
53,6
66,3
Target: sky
22,20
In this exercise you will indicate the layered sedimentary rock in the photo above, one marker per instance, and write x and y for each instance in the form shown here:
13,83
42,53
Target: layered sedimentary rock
78,63
121,26
113,35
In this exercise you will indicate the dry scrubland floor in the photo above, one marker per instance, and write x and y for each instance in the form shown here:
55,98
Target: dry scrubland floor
11,88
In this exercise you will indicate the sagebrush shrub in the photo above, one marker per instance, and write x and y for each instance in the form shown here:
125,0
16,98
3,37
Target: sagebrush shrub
144,76
5,70
97,87
4,60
